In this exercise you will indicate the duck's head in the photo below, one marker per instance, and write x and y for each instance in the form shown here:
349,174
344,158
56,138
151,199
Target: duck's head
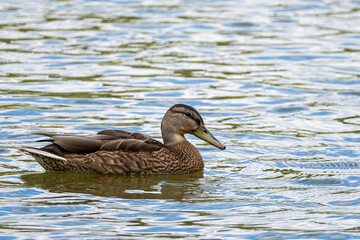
183,119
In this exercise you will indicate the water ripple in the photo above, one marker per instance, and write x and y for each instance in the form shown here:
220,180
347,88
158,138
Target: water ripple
277,82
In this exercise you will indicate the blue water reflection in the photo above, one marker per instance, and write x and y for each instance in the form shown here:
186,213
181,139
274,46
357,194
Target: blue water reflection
277,82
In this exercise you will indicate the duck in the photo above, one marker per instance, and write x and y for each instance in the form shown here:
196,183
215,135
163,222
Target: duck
122,152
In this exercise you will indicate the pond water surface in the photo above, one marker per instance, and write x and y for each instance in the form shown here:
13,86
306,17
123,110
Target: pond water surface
278,82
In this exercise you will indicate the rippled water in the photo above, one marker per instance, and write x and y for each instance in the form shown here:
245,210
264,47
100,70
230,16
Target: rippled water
277,81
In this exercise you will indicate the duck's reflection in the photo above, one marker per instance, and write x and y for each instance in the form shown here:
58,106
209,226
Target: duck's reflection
130,187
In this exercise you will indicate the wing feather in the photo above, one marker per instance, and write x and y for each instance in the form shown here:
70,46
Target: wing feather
109,140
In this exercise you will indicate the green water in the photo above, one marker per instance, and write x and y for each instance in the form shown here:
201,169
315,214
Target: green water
278,82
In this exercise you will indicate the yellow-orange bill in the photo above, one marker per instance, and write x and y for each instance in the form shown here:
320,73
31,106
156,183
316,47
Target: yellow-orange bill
205,135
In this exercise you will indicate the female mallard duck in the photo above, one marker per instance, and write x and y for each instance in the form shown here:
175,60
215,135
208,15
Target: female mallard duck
121,152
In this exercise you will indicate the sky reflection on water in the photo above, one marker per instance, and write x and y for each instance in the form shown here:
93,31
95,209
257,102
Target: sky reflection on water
277,82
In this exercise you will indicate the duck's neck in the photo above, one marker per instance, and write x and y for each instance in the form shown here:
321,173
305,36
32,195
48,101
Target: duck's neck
183,148
171,139
188,153
170,134
175,141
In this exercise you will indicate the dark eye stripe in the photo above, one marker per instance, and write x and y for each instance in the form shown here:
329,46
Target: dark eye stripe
198,121
192,117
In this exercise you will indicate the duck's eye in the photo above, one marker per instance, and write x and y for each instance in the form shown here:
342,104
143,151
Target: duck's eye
188,114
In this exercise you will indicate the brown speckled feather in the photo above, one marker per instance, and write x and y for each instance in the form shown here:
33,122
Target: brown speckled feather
182,158
122,152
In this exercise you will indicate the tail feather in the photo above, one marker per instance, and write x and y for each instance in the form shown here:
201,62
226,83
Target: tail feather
37,152
50,135
45,140
46,134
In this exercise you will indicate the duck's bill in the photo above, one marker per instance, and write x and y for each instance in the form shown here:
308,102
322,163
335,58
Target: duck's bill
205,135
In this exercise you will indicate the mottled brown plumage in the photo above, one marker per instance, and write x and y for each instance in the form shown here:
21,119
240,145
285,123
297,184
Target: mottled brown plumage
122,152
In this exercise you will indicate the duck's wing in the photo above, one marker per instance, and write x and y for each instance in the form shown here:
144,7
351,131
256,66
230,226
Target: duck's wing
132,145
109,140
128,141
120,134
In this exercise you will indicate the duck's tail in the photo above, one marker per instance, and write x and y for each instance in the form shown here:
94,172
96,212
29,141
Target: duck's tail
47,160
35,152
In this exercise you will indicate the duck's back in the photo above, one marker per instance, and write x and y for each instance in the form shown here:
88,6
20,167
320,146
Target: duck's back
136,154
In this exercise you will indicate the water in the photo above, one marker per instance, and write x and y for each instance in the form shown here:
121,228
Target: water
277,81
